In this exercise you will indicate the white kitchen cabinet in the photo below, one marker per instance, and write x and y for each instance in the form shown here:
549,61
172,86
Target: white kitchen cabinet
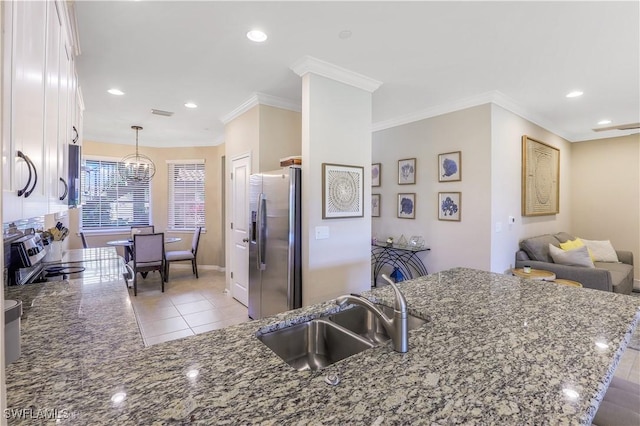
54,120
25,191
39,108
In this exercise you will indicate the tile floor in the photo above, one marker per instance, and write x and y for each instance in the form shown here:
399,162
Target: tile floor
188,305
629,366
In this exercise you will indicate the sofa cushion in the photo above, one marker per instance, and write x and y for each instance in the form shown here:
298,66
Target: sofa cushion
621,276
538,247
575,257
602,251
563,237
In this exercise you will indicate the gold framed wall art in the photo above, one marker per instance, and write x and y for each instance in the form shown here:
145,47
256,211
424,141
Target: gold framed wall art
540,178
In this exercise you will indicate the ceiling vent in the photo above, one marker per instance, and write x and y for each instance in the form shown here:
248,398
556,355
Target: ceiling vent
631,126
161,112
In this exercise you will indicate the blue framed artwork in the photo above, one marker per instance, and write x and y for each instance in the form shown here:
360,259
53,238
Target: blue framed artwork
450,166
407,205
449,206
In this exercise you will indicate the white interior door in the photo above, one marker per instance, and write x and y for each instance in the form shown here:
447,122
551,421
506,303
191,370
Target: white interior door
241,169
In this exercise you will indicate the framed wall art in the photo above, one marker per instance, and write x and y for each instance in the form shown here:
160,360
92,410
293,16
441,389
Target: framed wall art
407,171
376,169
342,191
375,205
407,205
450,166
449,206
540,178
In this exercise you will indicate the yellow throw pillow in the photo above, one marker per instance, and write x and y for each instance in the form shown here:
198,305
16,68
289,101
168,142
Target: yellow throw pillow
574,244
571,244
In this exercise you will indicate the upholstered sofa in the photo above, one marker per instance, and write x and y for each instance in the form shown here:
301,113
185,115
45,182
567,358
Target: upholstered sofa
607,276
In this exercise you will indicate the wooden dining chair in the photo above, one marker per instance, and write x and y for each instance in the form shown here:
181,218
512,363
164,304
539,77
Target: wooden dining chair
148,251
183,255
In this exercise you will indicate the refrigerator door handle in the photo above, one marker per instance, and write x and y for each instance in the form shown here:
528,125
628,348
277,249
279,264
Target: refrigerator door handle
262,229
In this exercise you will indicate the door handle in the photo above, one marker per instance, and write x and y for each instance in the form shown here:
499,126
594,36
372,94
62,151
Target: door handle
35,177
22,191
66,189
245,240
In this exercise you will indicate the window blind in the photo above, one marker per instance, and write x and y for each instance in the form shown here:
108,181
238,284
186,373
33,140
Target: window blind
186,195
109,201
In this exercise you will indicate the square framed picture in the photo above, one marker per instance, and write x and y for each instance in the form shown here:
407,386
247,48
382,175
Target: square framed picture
450,166
407,205
342,191
449,207
407,171
376,169
375,205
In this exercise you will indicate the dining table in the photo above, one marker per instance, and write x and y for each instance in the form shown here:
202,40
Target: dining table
128,245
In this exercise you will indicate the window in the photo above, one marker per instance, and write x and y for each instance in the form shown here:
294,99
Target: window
109,201
186,194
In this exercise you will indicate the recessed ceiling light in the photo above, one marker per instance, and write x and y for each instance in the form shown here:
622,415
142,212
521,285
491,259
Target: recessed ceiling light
602,122
257,36
116,92
191,105
574,94
344,34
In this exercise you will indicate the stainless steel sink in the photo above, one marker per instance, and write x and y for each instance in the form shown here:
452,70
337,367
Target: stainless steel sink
364,323
315,344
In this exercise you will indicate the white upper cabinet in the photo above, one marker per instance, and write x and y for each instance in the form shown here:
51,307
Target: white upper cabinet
39,108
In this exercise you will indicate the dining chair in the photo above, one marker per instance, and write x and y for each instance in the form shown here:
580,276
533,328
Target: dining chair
148,250
182,255
147,229
84,240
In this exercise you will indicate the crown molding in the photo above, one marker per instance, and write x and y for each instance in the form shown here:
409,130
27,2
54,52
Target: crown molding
495,97
309,64
261,99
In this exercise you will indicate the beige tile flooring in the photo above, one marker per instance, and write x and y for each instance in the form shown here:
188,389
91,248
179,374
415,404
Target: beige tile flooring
188,305
629,366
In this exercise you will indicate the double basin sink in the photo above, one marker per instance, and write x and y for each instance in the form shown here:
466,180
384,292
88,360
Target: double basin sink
315,344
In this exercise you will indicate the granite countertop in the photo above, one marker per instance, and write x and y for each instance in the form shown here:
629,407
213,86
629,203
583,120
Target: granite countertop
498,350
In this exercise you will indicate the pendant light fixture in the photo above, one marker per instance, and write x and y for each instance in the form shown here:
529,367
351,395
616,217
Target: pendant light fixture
137,167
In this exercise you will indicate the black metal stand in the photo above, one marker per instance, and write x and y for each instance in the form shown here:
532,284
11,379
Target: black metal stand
403,258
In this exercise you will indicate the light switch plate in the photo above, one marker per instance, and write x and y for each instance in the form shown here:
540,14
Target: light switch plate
322,232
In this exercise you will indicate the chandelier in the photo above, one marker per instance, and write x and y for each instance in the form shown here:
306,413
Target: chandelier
137,168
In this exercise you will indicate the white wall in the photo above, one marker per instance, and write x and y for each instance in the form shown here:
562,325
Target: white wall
507,130
336,128
464,243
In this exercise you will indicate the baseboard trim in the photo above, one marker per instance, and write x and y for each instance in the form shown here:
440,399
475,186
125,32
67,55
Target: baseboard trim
202,267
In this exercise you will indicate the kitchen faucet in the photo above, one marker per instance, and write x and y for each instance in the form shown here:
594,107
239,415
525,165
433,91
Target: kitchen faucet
396,327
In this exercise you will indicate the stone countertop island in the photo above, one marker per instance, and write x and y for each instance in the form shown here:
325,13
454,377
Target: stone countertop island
498,350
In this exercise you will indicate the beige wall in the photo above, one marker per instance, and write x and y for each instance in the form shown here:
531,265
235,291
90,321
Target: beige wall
605,192
465,243
280,133
211,250
266,134
507,130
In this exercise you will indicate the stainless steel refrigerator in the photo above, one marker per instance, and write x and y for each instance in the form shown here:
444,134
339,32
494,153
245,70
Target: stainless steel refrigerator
275,269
